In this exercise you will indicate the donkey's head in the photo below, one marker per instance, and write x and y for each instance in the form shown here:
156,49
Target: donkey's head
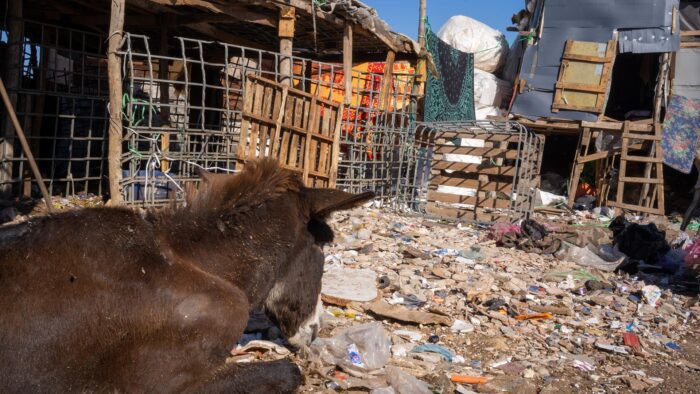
295,300
289,223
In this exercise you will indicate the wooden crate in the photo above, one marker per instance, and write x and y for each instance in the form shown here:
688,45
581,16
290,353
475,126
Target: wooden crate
477,176
299,129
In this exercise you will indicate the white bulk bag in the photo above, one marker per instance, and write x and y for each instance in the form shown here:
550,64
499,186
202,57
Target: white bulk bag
488,45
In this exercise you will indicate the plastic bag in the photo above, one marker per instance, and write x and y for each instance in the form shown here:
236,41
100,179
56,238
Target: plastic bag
488,45
370,344
605,258
490,91
403,383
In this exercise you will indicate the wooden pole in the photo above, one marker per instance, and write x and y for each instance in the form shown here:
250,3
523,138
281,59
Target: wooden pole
114,73
387,79
163,71
12,115
347,61
421,22
14,54
286,36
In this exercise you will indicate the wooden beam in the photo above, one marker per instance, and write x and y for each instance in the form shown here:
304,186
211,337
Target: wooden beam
25,146
114,73
347,61
307,7
286,35
220,35
387,79
13,71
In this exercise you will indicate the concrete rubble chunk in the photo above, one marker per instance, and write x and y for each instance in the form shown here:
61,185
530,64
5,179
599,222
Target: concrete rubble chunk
344,285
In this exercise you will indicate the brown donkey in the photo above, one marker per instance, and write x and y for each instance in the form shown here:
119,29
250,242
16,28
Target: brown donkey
107,300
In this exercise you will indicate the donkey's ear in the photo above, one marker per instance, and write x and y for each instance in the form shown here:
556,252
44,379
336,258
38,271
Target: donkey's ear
323,202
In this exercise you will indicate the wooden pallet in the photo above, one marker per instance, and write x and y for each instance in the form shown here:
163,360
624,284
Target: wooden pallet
482,188
584,76
299,129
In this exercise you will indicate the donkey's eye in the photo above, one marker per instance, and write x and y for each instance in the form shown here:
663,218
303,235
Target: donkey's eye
321,231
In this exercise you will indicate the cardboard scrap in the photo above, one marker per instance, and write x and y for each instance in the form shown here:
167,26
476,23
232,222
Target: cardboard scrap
403,314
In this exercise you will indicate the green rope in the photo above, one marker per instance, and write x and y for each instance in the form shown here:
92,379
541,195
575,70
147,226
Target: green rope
138,109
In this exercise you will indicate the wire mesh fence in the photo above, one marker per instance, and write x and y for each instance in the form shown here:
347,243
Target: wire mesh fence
182,107
61,100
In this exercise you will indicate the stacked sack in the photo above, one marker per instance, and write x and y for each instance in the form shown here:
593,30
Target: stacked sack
490,50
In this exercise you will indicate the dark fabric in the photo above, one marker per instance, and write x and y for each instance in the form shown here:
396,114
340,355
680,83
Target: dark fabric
639,242
449,96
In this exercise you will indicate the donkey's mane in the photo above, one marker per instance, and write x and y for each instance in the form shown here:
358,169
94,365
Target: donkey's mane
260,181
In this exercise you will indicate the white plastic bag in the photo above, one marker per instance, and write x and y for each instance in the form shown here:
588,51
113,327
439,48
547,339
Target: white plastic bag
370,340
488,45
490,91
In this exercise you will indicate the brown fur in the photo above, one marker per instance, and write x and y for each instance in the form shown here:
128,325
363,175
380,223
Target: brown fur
108,300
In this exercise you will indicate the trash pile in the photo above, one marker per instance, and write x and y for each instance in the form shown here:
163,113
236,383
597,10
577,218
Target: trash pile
418,306
20,210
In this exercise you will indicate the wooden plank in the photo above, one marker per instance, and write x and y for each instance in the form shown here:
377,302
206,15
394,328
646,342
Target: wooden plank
311,125
286,22
255,126
613,126
474,168
660,172
635,208
484,152
623,165
595,156
476,201
114,74
641,180
241,154
387,81
643,159
276,144
647,137
493,186
463,214
447,136
581,87
335,155
347,61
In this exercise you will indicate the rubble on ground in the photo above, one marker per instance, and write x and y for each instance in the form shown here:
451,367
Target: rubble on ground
456,312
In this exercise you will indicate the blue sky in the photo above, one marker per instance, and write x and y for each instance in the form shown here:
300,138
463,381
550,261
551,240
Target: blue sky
402,15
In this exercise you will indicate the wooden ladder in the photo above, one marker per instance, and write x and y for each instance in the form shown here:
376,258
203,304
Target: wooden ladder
651,203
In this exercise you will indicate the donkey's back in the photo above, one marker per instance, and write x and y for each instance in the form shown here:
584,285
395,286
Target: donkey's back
91,291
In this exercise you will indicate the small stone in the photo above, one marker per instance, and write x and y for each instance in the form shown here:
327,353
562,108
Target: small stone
364,234
460,277
528,373
635,384
441,273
